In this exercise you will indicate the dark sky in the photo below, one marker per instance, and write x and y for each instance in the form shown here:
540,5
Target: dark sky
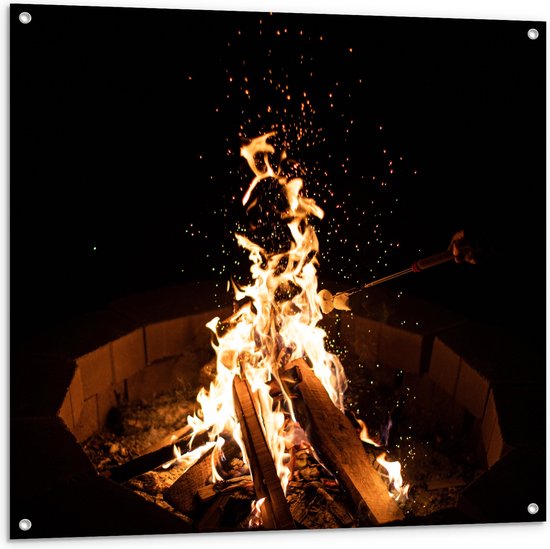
126,126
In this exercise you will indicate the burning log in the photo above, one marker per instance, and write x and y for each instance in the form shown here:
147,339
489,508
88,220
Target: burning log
181,494
206,493
152,460
227,512
275,511
226,508
336,440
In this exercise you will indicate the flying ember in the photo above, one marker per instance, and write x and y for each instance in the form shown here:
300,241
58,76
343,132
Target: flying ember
274,323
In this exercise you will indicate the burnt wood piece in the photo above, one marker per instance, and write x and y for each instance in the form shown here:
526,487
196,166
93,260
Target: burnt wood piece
152,460
336,440
275,511
335,508
227,513
315,508
181,495
212,518
173,438
206,493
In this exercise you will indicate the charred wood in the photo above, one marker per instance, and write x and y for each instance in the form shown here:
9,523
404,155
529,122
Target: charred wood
181,495
336,440
275,511
152,460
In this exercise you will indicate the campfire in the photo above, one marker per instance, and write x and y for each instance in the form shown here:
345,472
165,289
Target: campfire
277,395
318,387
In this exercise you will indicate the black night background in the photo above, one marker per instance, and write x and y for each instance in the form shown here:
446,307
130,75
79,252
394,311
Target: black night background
127,125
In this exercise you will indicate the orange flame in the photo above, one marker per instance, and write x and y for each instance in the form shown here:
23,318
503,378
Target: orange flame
364,434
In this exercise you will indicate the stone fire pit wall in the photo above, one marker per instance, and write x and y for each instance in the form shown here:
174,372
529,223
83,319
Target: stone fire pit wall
470,379
65,382
149,360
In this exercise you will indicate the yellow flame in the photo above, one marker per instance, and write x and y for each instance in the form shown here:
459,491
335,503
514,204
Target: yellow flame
258,145
269,331
397,489
255,517
266,331
216,457
188,459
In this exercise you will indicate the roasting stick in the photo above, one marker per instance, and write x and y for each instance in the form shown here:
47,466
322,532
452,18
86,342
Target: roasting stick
340,300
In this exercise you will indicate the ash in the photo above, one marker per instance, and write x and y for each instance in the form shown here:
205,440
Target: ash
130,433
437,466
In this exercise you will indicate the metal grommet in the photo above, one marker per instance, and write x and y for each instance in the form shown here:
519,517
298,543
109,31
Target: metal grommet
25,17
533,34
25,525
532,508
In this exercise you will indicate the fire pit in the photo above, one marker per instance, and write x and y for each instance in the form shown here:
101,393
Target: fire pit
148,344
276,394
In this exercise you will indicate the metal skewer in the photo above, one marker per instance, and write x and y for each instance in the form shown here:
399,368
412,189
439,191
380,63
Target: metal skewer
340,299
375,282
